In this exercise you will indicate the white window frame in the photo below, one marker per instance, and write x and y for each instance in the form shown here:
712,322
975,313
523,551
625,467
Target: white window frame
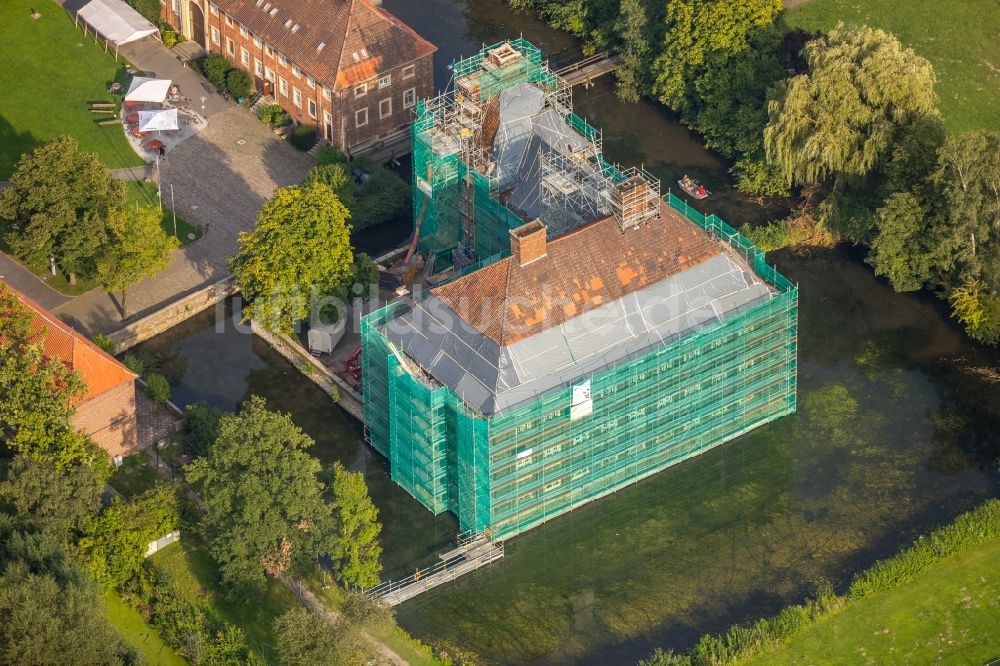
297,97
229,20
310,81
384,114
412,94
358,116
230,47
282,60
212,9
385,81
327,93
360,90
283,86
244,32
409,71
296,72
258,68
244,56
216,36
257,41
268,74
312,107
268,51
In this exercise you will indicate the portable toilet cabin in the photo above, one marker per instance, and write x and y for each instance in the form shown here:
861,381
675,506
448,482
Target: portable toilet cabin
324,337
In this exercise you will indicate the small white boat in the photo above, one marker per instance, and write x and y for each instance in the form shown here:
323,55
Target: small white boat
693,189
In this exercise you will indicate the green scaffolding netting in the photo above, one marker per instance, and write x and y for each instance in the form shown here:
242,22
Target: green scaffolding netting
515,470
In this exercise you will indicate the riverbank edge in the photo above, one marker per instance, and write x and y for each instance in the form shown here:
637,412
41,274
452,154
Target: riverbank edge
744,642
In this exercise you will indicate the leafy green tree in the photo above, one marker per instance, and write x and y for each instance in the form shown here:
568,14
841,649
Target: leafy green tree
266,514
968,180
49,607
36,392
115,542
45,622
839,119
300,247
137,248
157,388
899,250
631,29
305,639
699,30
201,427
47,498
356,556
977,310
56,205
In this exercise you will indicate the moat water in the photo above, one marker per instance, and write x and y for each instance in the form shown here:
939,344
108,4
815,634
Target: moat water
898,430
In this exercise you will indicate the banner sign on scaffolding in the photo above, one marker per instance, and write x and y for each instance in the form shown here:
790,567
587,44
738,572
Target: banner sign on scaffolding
582,405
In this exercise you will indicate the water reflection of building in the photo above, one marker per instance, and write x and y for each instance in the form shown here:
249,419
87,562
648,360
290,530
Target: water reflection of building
584,332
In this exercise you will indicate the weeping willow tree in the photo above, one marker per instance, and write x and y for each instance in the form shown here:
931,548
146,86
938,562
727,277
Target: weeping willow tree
839,118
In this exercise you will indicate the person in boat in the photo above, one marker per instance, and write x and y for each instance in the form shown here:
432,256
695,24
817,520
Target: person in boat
701,190
687,181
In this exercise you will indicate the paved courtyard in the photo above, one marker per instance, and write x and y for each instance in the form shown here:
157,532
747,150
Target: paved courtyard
220,177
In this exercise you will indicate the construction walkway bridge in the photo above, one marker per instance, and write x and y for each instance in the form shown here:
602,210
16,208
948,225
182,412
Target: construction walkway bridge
474,552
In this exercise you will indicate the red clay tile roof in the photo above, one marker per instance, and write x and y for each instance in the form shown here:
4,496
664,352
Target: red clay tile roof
343,27
99,371
582,270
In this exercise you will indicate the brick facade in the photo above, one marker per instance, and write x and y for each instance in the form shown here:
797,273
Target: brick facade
109,419
345,114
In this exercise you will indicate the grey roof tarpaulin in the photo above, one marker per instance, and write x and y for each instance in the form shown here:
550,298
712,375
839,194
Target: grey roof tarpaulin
495,379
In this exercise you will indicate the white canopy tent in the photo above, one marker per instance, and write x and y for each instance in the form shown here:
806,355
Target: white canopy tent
115,21
144,89
158,121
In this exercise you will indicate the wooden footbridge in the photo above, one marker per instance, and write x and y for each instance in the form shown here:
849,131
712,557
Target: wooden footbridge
474,551
588,69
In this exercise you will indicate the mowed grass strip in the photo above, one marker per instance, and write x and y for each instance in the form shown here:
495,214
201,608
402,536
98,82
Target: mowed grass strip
132,627
961,38
50,73
196,578
949,614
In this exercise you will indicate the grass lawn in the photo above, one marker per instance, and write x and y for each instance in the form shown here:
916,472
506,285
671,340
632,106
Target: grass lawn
135,476
949,614
132,627
961,38
143,193
196,577
410,649
50,72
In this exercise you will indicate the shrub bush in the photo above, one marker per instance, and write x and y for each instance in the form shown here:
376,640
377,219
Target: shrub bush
238,83
330,155
157,387
169,38
105,343
134,363
303,137
274,116
215,68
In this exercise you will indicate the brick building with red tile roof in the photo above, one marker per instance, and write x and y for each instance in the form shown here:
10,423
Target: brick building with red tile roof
348,67
106,412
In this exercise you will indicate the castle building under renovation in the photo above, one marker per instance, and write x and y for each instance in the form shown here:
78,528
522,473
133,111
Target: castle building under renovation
589,333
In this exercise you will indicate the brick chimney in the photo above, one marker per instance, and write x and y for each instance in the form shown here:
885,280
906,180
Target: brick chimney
527,242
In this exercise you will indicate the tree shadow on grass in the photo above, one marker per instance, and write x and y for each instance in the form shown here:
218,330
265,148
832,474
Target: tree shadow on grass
13,144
